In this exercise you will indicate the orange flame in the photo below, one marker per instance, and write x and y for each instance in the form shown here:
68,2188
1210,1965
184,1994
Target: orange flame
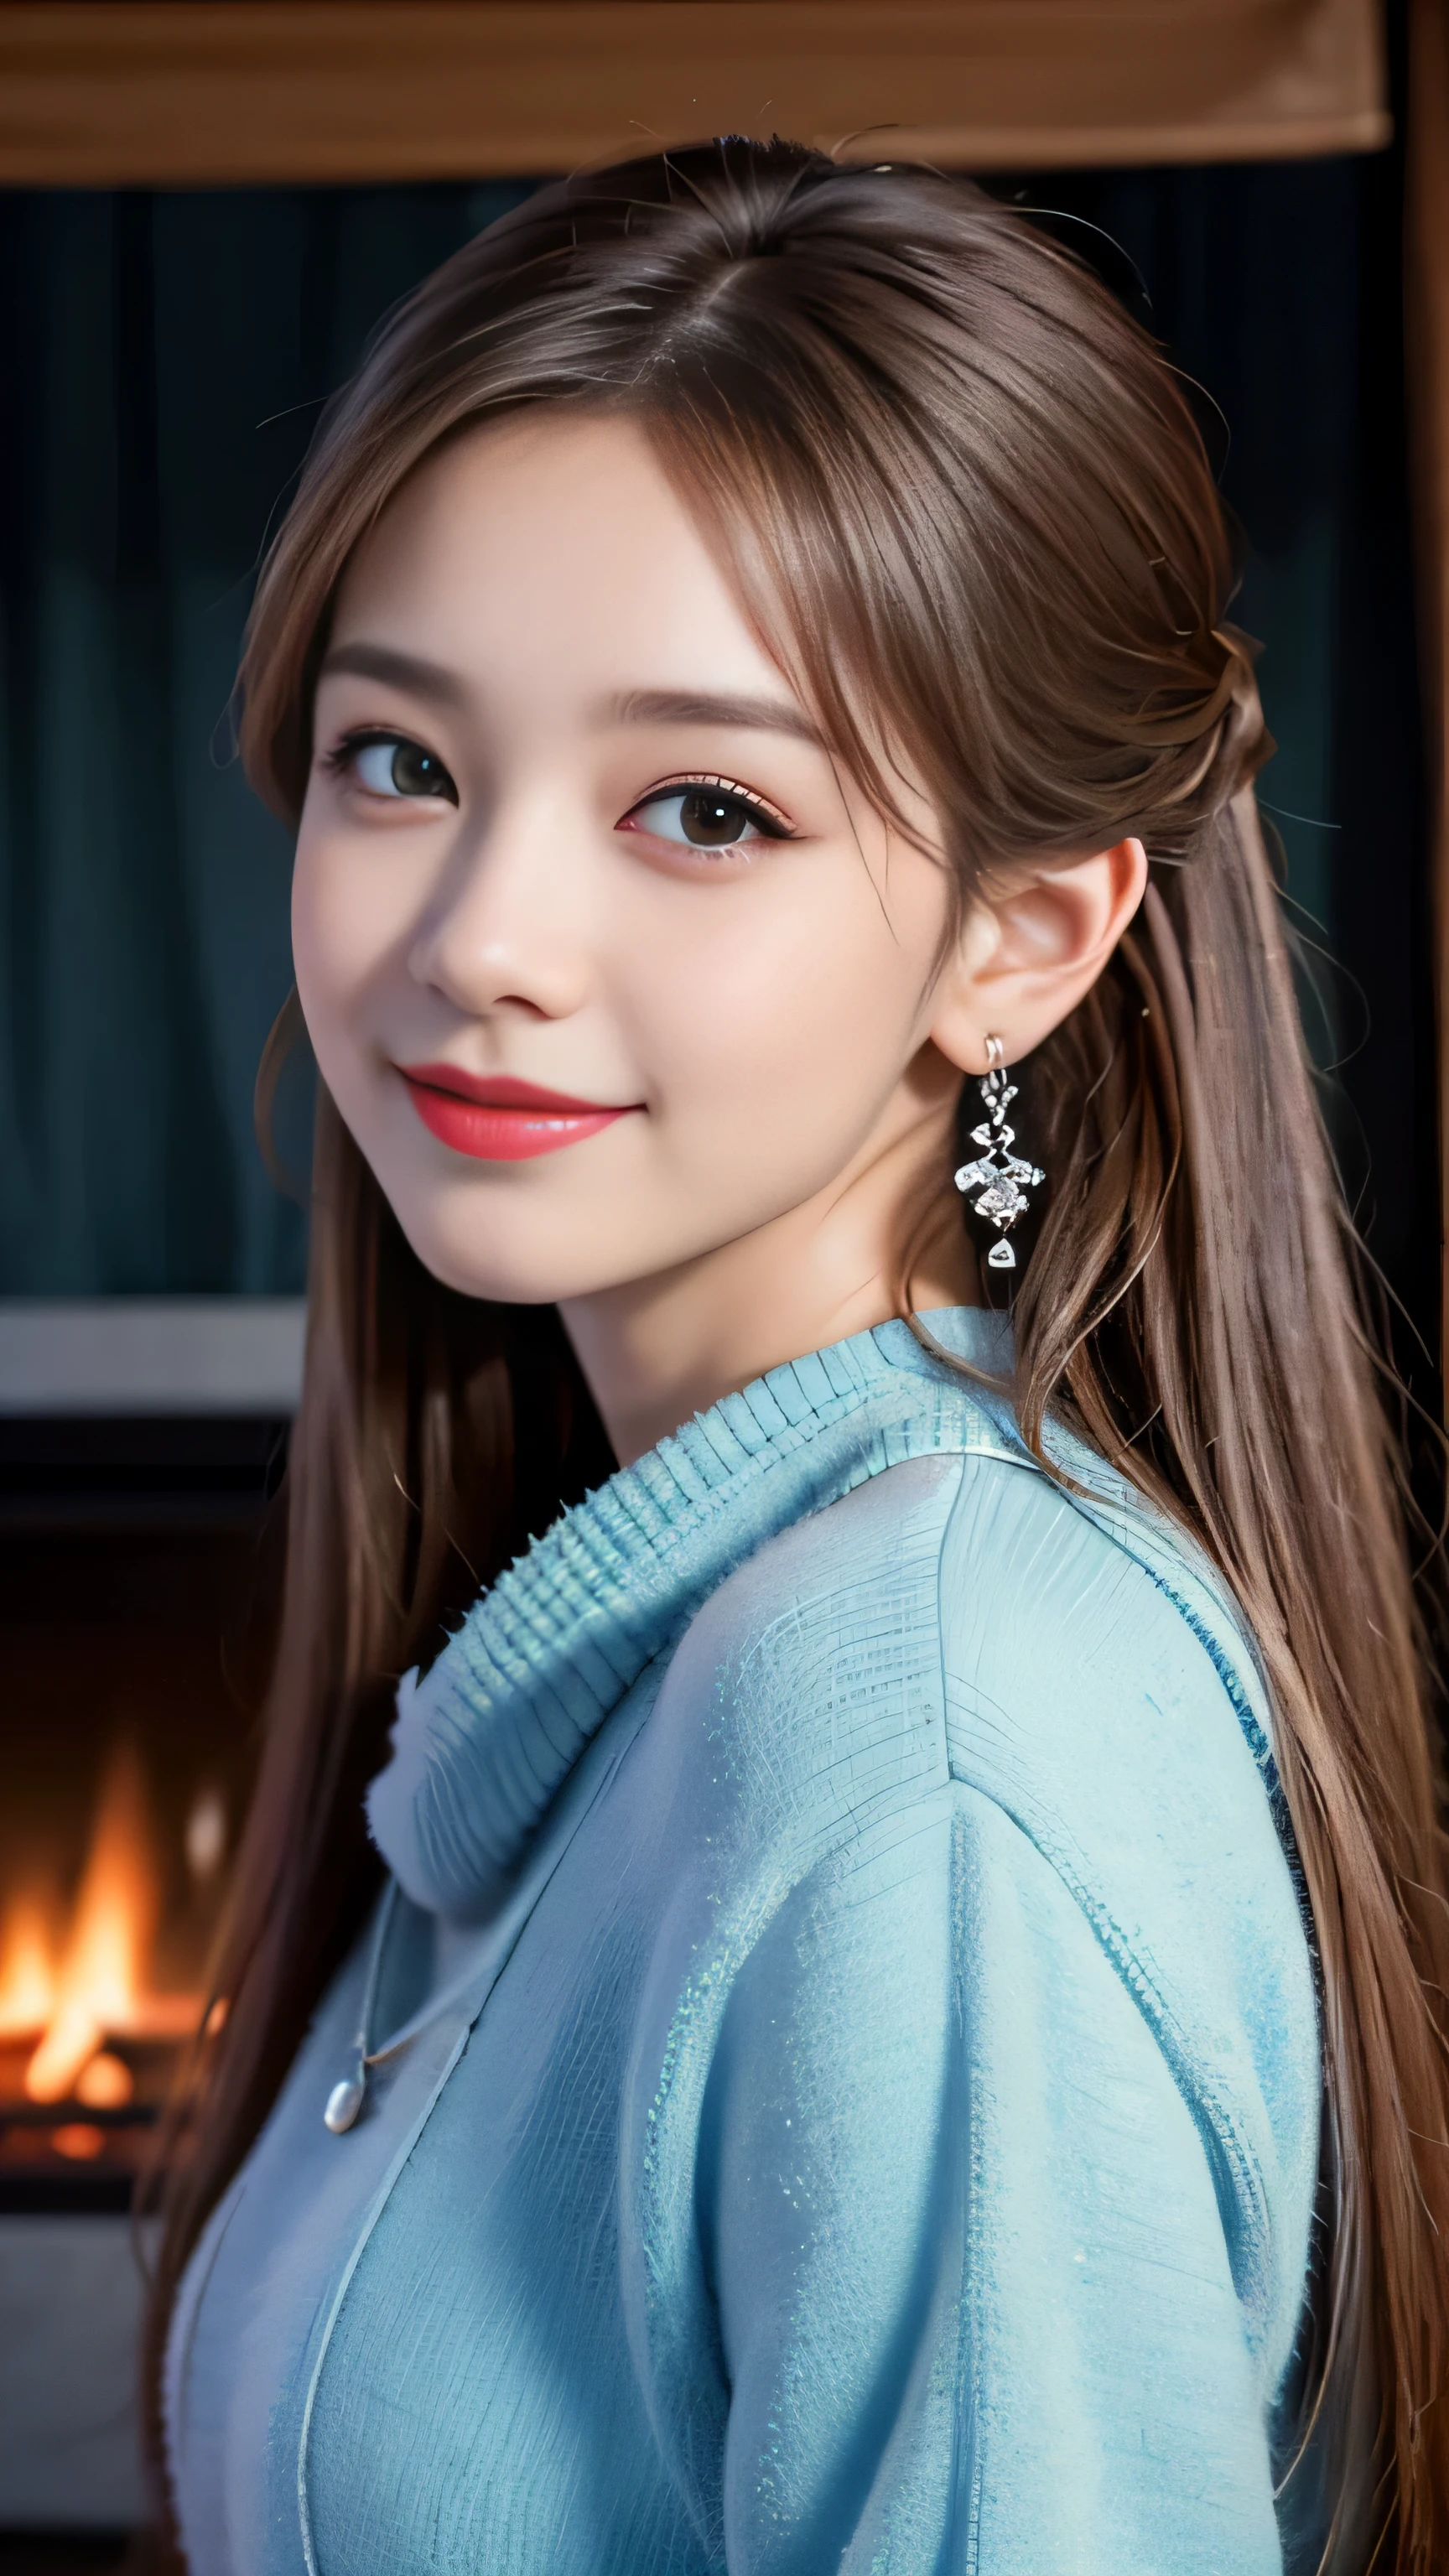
99,1985
27,1968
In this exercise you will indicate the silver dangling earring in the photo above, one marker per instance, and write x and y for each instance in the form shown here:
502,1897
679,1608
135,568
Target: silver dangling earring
1001,1176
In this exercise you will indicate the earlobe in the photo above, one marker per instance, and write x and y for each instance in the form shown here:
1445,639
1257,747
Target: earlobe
1028,954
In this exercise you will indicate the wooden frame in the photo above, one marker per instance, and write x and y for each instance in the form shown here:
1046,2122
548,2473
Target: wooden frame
1427,312
188,93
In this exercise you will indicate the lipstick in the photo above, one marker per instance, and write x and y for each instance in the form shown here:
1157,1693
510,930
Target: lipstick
498,1119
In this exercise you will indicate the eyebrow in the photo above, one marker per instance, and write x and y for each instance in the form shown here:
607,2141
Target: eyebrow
694,707
430,680
408,671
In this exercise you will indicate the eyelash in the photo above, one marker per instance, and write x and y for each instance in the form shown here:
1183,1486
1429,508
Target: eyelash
769,816
362,738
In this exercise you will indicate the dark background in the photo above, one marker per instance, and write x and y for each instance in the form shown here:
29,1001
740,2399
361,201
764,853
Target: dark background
166,358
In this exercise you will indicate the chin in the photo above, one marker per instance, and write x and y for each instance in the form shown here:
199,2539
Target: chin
516,1273
500,1283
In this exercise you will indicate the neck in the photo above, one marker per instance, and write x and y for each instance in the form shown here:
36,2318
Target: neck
656,1350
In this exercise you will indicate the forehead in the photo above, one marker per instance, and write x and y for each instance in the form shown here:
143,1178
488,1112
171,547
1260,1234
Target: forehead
552,544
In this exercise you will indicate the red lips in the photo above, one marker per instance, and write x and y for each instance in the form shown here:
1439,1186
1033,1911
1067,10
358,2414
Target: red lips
497,1118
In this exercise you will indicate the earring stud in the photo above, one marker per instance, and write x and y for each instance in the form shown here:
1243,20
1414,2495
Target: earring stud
1001,1177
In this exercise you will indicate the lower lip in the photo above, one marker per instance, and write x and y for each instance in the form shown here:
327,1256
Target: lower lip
504,1135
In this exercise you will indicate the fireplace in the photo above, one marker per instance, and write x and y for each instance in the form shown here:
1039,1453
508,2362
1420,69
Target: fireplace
134,1573
101,1981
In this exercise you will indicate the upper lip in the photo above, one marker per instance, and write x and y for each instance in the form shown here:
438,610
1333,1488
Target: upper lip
504,1091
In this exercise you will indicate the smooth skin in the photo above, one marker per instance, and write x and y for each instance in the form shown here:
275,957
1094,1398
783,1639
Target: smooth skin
534,656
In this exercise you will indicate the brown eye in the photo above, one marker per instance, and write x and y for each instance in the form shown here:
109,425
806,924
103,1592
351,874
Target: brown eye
706,818
710,820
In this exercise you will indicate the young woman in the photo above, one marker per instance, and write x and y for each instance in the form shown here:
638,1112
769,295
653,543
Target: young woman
887,2018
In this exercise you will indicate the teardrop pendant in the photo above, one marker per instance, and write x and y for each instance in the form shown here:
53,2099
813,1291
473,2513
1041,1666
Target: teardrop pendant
343,2104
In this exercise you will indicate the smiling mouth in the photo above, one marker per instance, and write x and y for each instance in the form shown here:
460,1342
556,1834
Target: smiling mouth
498,1119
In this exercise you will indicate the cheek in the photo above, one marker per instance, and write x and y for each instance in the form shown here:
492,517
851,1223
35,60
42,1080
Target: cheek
783,1002
346,924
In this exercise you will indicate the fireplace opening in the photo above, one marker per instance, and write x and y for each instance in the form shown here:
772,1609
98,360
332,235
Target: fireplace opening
102,1982
134,1569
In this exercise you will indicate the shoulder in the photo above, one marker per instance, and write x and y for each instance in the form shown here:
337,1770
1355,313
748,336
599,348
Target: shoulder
1040,1640
1098,1688
1100,1695
1080,1635
1099,1691
962,1623
962,1696
823,1650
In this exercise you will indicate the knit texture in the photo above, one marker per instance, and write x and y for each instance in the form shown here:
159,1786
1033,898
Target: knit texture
853,2099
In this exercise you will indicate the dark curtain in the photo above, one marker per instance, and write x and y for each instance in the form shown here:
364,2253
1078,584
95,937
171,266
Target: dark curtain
1277,290
166,356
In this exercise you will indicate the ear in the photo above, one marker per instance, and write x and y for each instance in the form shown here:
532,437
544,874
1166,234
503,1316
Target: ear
1028,952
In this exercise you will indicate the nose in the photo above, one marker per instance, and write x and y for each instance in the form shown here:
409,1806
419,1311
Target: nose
506,929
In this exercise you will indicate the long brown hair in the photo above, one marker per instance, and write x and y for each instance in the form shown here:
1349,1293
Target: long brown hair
965,503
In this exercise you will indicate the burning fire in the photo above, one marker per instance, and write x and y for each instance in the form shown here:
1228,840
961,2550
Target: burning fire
94,1983
27,1969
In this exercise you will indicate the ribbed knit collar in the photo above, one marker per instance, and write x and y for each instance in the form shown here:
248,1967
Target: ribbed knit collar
483,1741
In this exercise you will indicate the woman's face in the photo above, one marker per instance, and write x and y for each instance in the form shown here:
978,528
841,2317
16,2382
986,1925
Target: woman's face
605,964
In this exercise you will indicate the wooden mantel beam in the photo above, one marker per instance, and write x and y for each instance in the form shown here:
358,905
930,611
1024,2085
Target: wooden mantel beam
195,93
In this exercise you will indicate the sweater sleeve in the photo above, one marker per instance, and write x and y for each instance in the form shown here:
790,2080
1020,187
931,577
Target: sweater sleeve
965,2239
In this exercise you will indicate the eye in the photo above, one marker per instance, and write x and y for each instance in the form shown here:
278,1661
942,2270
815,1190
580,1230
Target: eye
704,814
389,764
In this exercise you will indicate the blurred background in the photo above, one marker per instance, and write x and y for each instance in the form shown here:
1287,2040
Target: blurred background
205,208
175,350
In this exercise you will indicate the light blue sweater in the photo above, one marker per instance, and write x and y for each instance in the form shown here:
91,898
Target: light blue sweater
853,2098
